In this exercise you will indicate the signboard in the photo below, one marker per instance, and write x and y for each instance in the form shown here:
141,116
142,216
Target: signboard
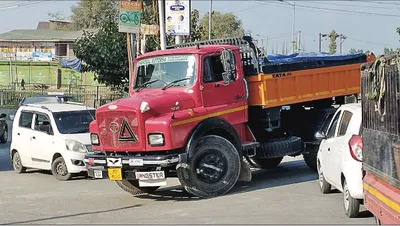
42,56
129,16
177,17
149,29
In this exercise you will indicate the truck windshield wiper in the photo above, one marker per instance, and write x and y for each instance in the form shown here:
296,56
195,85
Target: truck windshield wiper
174,82
144,85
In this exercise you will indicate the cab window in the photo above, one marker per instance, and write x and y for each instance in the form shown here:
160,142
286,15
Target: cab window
213,69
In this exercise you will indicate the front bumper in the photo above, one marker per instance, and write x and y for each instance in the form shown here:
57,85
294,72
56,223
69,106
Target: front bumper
129,164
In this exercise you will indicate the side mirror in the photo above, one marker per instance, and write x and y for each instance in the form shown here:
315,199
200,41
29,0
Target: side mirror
319,136
228,62
11,117
2,115
45,127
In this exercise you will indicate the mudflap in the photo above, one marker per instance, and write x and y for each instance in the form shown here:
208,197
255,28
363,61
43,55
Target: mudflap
245,172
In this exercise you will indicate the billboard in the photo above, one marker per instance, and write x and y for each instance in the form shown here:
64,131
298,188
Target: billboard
129,16
177,17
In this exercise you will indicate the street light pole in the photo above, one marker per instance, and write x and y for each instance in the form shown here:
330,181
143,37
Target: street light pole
161,8
210,21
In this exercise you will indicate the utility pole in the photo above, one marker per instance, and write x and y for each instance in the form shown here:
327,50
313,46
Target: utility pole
320,41
294,27
298,41
210,21
341,40
163,40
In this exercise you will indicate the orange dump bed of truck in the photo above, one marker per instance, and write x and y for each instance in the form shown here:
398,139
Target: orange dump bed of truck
285,88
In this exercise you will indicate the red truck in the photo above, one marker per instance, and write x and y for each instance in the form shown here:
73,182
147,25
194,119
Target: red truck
381,139
208,111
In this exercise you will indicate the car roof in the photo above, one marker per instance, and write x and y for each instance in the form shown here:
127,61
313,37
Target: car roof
65,107
353,107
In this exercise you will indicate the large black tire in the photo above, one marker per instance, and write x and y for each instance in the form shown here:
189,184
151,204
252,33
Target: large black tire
310,157
280,147
213,168
132,187
324,186
4,136
59,169
17,163
267,163
351,205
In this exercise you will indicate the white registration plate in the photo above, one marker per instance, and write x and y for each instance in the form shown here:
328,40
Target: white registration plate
155,175
98,174
136,162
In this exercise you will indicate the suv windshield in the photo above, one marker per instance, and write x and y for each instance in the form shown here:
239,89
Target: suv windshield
164,70
72,122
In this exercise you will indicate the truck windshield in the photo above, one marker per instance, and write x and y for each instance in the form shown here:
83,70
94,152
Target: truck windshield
157,72
73,122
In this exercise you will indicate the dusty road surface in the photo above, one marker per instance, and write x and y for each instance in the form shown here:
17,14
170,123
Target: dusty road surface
287,195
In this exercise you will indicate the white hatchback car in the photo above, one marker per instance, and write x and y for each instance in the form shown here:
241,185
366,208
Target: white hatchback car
339,159
51,137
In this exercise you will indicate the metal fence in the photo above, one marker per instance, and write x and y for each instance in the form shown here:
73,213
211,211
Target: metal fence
94,96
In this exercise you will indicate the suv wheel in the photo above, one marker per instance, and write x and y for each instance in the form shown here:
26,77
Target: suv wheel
60,170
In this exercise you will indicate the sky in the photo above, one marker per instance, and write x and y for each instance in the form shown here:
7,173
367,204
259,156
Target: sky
368,25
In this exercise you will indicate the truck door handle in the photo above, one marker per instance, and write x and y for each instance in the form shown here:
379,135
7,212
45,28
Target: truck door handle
238,97
217,85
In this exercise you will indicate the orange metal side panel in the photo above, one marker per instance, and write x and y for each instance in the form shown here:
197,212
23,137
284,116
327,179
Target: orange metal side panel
271,90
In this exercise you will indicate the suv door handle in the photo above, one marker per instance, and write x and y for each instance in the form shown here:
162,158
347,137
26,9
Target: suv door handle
18,134
329,149
33,137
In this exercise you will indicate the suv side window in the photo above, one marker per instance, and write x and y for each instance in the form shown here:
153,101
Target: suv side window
332,129
40,118
25,119
213,69
344,123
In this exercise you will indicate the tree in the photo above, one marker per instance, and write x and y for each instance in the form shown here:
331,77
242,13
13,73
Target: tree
195,27
89,14
352,50
105,54
391,51
332,44
224,25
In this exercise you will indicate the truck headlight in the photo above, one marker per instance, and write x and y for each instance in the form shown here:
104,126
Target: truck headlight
94,139
156,139
76,146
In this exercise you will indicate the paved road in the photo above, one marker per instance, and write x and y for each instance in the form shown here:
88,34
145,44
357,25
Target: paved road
288,195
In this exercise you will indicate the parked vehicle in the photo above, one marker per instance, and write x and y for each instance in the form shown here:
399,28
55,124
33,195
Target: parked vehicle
3,128
381,139
339,157
209,110
49,98
51,137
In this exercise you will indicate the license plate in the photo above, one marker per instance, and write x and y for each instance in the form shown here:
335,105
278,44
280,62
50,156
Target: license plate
136,162
115,174
98,174
155,175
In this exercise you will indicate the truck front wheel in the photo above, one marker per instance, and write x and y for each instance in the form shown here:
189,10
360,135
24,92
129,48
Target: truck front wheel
213,168
132,187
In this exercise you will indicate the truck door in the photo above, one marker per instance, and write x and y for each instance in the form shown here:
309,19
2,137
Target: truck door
221,98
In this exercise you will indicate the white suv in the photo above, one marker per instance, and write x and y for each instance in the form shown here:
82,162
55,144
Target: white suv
339,159
51,137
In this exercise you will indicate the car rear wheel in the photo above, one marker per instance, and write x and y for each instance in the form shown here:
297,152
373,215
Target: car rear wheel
17,163
351,205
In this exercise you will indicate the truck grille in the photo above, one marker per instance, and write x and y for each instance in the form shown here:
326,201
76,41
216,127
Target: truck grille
119,131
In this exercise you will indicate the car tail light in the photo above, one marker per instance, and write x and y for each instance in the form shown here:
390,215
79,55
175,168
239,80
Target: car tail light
356,145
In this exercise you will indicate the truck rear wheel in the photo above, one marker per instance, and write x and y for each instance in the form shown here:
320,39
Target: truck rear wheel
132,187
213,168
